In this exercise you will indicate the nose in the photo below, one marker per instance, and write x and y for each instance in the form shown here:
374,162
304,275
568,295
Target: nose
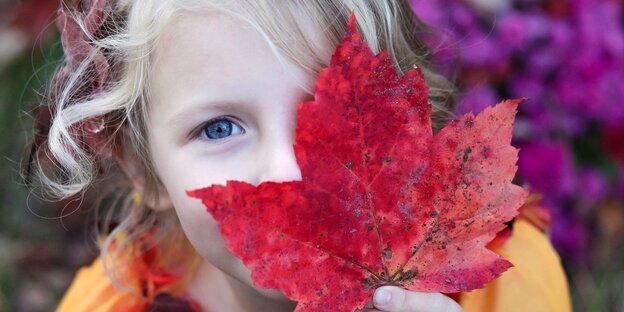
279,163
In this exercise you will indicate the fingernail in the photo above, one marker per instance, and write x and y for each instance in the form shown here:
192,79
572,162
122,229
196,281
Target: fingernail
382,297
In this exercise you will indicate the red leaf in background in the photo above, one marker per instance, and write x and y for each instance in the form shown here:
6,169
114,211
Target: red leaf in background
33,16
382,201
612,138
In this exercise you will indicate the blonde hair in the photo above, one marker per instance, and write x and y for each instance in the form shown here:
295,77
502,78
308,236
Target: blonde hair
131,31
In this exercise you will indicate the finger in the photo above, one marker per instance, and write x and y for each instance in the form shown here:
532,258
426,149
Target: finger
392,298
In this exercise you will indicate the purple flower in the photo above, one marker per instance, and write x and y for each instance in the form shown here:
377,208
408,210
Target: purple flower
542,61
561,36
547,167
476,99
567,58
518,31
569,236
430,12
592,186
533,126
571,125
463,16
479,50
610,97
572,93
530,87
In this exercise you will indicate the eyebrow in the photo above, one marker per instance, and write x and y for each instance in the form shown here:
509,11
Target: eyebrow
219,105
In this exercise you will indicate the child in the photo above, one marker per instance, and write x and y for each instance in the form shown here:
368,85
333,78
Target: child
163,96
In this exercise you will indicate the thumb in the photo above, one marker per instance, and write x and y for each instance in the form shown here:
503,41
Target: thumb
392,298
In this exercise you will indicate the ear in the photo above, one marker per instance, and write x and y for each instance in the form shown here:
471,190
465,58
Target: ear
153,194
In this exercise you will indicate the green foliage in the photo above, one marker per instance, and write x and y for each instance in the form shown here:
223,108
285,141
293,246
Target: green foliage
21,83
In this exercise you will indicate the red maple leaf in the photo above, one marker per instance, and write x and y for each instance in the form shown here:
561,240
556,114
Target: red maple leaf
382,200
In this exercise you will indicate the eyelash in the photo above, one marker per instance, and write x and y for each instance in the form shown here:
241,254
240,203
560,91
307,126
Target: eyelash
200,132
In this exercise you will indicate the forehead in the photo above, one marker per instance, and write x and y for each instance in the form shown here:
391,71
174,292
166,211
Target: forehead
214,53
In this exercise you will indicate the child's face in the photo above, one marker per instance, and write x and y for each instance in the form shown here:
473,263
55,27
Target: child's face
222,108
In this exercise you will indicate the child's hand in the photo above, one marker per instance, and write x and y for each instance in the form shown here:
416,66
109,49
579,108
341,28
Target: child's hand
396,299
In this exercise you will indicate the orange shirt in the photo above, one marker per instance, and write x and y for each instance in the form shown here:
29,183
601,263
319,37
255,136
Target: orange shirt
535,283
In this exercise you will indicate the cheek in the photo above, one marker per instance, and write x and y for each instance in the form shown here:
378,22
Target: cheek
198,225
201,230
203,233
187,168
180,172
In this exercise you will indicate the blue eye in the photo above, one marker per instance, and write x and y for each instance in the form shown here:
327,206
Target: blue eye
221,128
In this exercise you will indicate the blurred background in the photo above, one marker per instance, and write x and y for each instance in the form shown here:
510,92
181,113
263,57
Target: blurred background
565,56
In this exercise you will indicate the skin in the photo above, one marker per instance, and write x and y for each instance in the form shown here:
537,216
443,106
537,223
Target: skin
210,68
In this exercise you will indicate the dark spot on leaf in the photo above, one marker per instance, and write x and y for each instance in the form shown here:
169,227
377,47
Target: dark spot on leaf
487,151
227,201
253,202
428,239
349,165
282,235
369,283
370,228
433,213
466,153
357,109
367,158
469,123
321,235
408,275
408,228
388,159
387,253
